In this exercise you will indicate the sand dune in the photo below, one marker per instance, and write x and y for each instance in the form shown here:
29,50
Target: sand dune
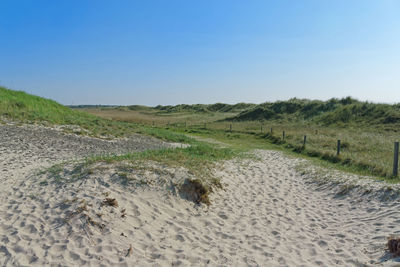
268,214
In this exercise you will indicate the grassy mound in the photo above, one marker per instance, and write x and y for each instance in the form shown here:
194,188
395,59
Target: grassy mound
198,161
27,108
333,111
203,108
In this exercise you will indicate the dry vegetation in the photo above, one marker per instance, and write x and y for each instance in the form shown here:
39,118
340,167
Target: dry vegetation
154,117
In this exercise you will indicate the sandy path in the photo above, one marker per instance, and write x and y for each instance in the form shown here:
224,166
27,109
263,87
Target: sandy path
285,221
267,215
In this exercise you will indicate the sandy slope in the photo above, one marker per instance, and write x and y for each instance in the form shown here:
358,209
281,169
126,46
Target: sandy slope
267,215
29,147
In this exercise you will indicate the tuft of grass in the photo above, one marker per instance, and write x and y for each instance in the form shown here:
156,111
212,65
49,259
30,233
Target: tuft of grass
199,158
43,183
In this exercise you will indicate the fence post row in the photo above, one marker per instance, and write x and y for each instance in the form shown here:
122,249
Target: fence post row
395,155
396,159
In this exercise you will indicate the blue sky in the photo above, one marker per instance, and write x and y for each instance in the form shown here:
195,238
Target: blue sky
191,51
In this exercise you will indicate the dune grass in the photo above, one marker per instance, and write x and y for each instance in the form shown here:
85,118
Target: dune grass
199,159
151,116
363,150
25,108
367,131
366,148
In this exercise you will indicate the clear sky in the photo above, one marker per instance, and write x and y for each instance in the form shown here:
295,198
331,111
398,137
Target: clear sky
200,51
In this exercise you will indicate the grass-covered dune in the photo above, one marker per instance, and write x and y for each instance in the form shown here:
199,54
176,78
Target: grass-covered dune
217,107
18,105
333,111
26,108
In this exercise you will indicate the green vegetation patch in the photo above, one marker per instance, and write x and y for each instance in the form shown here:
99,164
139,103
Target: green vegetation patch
333,111
203,108
199,160
26,108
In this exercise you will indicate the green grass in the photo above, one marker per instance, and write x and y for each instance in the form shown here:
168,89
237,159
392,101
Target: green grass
199,158
366,130
332,112
26,108
29,108
363,151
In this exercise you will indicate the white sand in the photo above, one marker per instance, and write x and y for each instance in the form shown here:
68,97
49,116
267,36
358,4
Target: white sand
267,215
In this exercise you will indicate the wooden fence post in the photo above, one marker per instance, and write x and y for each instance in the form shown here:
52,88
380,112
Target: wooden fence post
338,148
396,159
305,140
271,130
283,135
261,128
